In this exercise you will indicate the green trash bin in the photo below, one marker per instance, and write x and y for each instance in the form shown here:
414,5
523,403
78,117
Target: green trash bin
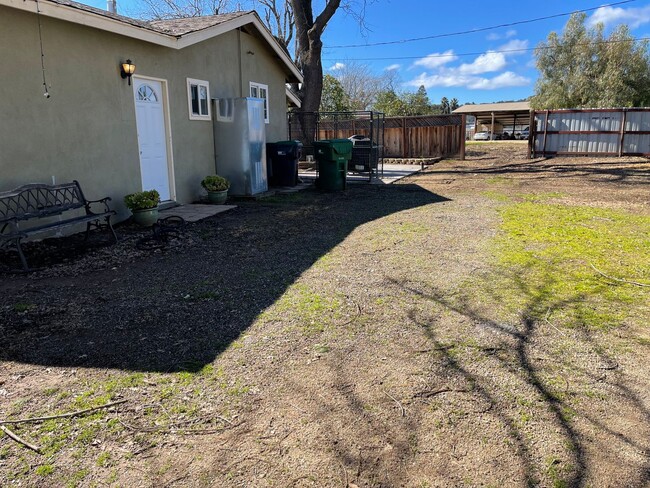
332,157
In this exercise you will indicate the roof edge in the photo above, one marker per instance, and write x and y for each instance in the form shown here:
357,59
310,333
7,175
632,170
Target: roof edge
141,32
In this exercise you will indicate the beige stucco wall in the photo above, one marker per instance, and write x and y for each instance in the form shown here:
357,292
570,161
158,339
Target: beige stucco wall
86,130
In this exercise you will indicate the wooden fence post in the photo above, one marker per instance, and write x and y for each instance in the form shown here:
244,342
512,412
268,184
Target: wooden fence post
404,137
462,137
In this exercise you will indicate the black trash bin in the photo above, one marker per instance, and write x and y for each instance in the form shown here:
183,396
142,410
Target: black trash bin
365,155
283,157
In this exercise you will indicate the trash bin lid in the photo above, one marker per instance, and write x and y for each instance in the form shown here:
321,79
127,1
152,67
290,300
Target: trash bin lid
339,146
289,143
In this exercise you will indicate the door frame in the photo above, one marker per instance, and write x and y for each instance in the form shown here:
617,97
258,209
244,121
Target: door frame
168,131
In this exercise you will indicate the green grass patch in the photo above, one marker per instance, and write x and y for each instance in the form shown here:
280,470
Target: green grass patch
545,254
314,311
22,307
45,470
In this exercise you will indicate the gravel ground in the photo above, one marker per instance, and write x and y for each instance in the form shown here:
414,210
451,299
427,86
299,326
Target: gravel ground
324,340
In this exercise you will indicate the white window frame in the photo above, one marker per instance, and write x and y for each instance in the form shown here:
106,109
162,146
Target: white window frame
198,83
258,87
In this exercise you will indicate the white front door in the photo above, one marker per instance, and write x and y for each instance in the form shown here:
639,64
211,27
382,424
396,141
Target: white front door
152,136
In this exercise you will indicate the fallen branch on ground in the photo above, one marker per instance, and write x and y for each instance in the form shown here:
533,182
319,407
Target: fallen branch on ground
620,280
430,393
63,415
401,407
20,440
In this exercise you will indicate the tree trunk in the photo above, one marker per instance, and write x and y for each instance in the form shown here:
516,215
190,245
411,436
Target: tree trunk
309,47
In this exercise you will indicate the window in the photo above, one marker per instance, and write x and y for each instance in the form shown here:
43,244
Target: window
198,96
147,94
261,91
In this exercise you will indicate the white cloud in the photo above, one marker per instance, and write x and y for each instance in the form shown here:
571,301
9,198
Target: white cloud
495,36
453,79
393,67
634,17
504,80
435,60
485,63
517,45
337,66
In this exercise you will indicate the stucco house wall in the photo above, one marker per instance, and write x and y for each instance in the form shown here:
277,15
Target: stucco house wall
86,130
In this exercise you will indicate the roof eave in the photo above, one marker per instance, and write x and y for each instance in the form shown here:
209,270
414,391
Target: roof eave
97,21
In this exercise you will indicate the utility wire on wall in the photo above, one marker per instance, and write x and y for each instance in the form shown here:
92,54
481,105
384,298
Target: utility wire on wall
480,29
46,93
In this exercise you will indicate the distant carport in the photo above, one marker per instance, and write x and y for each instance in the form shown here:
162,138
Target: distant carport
497,114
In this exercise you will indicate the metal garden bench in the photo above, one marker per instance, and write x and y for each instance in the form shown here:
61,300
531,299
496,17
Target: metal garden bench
37,201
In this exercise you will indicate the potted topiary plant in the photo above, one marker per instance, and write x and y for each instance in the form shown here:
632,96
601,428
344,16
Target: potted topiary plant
217,188
144,206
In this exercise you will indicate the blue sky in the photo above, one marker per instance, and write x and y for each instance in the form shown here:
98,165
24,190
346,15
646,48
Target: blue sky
485,75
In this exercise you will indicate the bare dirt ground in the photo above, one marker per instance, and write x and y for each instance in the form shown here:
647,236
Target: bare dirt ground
333,340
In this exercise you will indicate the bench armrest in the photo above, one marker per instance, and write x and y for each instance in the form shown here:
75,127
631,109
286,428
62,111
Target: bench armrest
103,200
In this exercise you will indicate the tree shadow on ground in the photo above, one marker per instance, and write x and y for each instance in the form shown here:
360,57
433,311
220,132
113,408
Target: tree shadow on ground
522,342
178,311
618,172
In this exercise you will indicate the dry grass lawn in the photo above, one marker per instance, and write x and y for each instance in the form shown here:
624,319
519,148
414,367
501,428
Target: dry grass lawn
483,323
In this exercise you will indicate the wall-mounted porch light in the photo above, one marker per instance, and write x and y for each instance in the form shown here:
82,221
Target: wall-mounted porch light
128,69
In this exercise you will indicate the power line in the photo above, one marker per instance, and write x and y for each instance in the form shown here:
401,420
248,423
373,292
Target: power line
480,29
455,55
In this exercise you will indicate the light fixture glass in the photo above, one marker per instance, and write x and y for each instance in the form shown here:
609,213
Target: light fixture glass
128,69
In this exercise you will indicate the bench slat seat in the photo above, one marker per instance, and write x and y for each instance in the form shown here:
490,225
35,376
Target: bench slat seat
30,231
37,201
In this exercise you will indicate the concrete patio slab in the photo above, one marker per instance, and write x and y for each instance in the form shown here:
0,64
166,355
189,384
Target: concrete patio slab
195,211
391,174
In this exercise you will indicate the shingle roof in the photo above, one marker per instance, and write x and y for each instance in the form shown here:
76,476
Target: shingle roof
172,27
105,13
180,27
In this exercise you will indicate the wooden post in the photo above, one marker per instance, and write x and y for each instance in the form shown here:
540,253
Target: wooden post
492,127
403,125
514,124
621,139
532,132
545,134
463,133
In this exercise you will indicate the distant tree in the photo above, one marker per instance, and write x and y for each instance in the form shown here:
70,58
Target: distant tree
279,20
453,105
406,103
362,86
334,98
176,9
444,104
418,103
584,68
390,103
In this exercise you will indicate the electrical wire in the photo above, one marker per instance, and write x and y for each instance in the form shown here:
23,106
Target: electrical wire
455,55
46,93
480,29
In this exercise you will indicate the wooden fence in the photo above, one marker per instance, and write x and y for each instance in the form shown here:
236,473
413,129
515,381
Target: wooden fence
427,136
410,137
590,132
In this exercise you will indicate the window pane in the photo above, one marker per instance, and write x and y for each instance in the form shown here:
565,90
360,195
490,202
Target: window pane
204,99
254,91
195,99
